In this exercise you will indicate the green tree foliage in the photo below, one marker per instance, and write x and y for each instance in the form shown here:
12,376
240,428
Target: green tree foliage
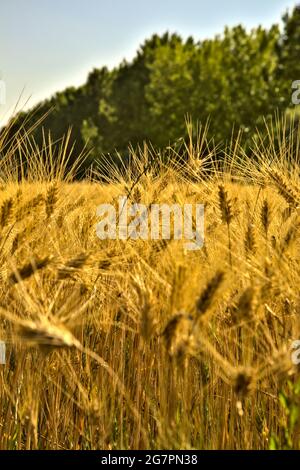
288,69
236,80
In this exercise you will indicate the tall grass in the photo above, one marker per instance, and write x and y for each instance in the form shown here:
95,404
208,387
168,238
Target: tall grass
141,344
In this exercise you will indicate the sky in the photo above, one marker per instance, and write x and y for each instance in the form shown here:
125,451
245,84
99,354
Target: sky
47,45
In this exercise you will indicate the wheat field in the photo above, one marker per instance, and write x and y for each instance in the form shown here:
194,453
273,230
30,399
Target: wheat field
114,344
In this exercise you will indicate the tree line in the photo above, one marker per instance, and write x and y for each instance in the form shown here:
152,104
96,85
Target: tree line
237,80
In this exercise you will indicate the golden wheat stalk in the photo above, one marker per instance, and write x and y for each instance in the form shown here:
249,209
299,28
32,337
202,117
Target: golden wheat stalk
6,212
51,199
205,300
285,189
72,266
28,269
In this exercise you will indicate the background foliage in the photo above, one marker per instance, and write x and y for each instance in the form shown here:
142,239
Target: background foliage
236,80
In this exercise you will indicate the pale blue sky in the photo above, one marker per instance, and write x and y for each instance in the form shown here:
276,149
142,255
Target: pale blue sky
46,45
